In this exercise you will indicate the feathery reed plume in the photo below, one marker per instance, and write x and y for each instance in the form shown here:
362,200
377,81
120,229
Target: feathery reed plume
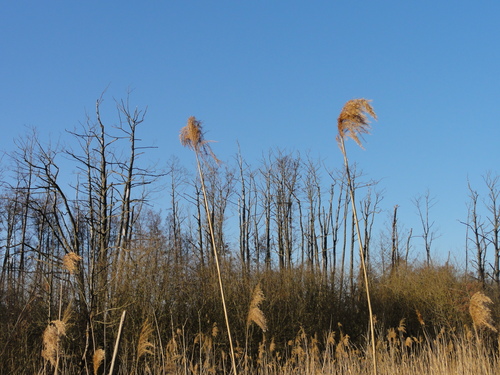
51,341
192,136
71,261
480,312
353,119
420,318
144,346
353,122
255,314
215,330
97,359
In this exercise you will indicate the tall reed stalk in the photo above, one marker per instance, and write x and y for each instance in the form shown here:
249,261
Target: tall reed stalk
191,136
353,122
117,343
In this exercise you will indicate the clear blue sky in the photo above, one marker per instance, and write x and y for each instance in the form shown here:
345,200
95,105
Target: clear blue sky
275,74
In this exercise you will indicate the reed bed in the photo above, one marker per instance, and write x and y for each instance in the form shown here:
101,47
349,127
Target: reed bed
332,353
412,346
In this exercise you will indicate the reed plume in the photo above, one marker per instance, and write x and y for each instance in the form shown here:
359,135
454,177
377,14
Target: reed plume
97,359
192,136
255,314
52,336
51,341
480,312
71,261
353,122
144,346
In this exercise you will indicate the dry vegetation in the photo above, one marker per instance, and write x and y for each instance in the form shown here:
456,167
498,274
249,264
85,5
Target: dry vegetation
96,281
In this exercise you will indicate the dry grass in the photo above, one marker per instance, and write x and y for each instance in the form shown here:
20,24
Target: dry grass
144,346
480,312
353,119
52,335
71,261
192,136
97,359
397,353
353,122
255,314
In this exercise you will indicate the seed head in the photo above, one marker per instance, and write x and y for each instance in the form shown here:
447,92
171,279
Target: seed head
353,120
70,262
192,136
480,312
255,314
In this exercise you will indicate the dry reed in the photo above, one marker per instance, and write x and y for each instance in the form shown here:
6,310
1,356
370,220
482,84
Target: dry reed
71,261
353,122
255,314
117,342
52,335
144,346
480,312
353,119
97,359
192,136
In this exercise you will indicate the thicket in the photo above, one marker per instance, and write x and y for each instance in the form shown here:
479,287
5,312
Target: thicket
82,243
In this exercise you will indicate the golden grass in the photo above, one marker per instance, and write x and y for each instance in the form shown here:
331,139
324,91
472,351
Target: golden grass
144,346
192,136
71,261
52,335
353,122
480,312
398,352
353,119
255,314
97,359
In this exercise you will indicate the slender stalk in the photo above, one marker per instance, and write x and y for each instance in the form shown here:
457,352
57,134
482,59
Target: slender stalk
115,351
361,253
216,256
192,136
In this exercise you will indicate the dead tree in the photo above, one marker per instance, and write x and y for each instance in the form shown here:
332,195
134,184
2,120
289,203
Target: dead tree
494,222
424,204
477,235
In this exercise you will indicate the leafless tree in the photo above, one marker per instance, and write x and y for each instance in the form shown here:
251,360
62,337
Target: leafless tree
477,234
284,179
424,203
492,205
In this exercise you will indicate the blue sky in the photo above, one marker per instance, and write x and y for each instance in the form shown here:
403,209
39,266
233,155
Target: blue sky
268,74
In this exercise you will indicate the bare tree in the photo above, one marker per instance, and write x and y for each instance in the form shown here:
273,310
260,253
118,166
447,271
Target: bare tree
492,205
424,203
177,183
284,178
369,210
264,241
244,212
91,217
477,236
312,190
395,240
